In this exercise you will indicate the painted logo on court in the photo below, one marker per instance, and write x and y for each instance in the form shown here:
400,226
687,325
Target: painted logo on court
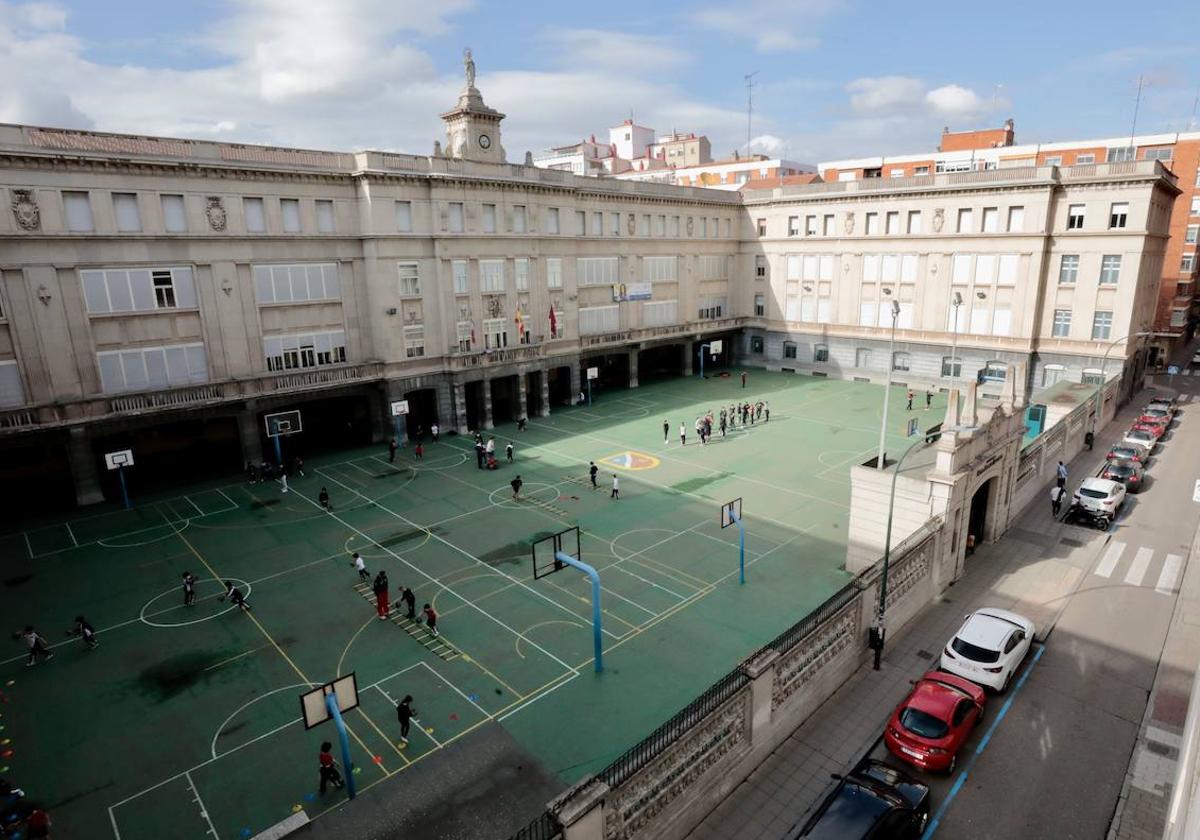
631,461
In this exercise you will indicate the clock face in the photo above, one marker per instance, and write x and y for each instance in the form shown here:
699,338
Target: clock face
485,142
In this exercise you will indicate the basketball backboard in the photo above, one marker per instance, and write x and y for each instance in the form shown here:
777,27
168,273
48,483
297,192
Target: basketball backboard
399,408
312,702
728,510
593,373
282,423
714,347
543,550
116,460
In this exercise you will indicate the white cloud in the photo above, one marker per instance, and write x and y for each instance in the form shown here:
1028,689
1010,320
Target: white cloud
623,52
773,25
767,144
953,100
884,94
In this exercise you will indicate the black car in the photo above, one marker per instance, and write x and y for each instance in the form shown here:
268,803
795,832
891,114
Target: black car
874,801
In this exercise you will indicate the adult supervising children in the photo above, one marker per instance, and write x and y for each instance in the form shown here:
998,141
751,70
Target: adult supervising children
616,489
592,470
380,588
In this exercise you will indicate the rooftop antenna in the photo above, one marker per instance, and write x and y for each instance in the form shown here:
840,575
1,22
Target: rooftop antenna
1195,103
996,95
749,107
1136,103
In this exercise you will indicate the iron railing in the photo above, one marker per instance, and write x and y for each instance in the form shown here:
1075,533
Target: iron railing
545,827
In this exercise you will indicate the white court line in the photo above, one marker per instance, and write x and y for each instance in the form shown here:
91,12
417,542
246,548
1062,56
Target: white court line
29,546
453,687
651,583
1137,571
203,811
71,533
112,818
196,506
415,720
537,697
232,504
1170,574
1111,558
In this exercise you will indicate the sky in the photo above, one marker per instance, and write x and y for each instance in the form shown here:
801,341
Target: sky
832,78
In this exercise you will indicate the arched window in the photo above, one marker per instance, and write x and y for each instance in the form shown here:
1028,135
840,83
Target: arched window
821,353
1052,374
901,361
789,349
862,357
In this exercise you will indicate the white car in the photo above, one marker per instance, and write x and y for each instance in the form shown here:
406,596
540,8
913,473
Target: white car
989,647
1100,495
1141,438
1196,358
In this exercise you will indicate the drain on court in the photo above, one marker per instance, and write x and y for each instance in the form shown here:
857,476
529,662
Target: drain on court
630,460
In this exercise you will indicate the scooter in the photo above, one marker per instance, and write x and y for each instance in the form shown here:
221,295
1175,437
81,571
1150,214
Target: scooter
1077,514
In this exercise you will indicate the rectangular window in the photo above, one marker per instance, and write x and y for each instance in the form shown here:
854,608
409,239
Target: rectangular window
491,275
658,269
410,279
1008,270
762,227
489,218
521,274
1187,263
296,283
458,270
827,225
711,307
519,218
660,226
138,290
304,350
78,208
789,349
414,342
951,366
12,393
872,224
866,315
1120,155
1016,219
1190,234
893,222
1085,159
1053,160
644,224
991,219
1195,211
1068,268
404,216
1118,216
793,225
760,267
614,224
1178,317
760,305
174,215
810,225
324,216
256,220
1110,268
914,221
1075,217
901,361
597,223
599,319
675,226
455,217
966,220
552,220
125,208
581,223
597,271
289,208
660,313
147,368
714,268
920,170
1062,323
495,333
464,330
1101,325
554,272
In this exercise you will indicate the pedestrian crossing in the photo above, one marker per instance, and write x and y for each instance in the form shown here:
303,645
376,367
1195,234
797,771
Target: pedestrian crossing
1139,567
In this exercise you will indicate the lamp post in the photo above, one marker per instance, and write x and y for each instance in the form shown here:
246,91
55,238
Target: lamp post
888,388
955,366
1104,379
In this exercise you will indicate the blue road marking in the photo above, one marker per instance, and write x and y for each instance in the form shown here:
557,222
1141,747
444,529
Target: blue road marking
962,777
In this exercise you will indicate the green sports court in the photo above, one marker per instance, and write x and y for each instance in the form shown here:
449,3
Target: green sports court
185,722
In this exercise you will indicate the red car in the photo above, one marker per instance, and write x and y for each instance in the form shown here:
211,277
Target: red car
933,721
1155,427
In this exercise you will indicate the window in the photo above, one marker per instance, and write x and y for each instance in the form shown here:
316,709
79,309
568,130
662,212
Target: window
1016,219
581,222
1110,269
901,361
658,269
1189,235
660,313
298,351
756,344
793,225
1118,215
1158,154
1062,323
495,333
762,227
125,208
404,216
519,218
821,353
597,271
760,305
1178,317
703,227
896,173
414,342
147,368
995,371
1092,376
455,217
1008,270
489,218
712,307
296,283
1195,211
1068,268
256,220
892,222
991,219
760,267
872,224
324,216
79,211
714,268
1052,374
1085,159
862,358
951,366
597,223
11,392
726,228
1101,325
1187,263
552,220
458,269
174,215
614,224
491,275
554,272
914,221
289,208
464,330
966,220
827,225
599,319
1182,290
138,290
410,281
1075,217
789,349
1053,160
521,274
1120,155
810,225
675,226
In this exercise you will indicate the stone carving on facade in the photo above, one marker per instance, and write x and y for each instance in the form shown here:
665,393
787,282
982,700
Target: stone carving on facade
799,665
939,219
214,210
25,210
904,577
691,224
631,224
638,801
437,148
848,224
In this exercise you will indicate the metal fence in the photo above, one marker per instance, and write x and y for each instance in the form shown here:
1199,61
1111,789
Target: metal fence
545,827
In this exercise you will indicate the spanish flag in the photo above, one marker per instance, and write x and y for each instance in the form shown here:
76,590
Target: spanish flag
553,324
520,319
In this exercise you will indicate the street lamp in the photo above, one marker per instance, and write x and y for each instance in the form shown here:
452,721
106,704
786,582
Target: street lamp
1104,379
954,363
888,389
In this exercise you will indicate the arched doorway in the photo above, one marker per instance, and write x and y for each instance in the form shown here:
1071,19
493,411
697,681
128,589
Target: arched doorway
977,522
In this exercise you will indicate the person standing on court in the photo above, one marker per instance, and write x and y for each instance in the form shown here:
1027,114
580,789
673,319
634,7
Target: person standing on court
515,484
616,491
490,449
380,588
1062,474
910,396
431,618
592,470
435,430
479,452
743,379
323,500
419,451
189,589
683,434
508,452
1056,496
410,602
405,713
360,566
392,447
666,432
928,398
328,767
37,647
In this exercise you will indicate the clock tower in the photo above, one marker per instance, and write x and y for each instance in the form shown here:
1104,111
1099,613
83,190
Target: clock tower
472,128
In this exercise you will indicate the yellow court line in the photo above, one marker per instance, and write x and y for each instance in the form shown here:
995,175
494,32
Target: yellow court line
237,657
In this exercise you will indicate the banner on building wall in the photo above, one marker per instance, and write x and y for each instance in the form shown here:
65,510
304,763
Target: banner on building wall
632,291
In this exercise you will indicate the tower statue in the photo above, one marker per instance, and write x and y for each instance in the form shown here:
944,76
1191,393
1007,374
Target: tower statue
469,66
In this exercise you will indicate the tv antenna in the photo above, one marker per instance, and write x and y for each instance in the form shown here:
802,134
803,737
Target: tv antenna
749,77
1137,101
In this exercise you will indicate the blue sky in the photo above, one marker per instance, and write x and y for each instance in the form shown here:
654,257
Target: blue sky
835,78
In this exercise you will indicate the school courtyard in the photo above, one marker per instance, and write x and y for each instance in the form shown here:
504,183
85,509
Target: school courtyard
185,722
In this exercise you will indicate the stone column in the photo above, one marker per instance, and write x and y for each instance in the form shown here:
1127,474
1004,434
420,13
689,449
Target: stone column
545,392
761,670
522,396
576,380
487,403
445,401
633,367
380,411
687,357
247,421
460,406
582,815
83,466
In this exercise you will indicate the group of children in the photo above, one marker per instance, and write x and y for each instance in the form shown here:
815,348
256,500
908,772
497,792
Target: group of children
744,414
327,765
39,651
269,471
380,587
485,453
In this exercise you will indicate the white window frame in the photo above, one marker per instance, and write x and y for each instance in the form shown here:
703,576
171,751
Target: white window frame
1110,269
1016,219
552,220
255,214
1102,331
521,275
554,273
122,290
661,269
1068,273
301,351
414,342
520,219
404,217
289,211
174,210
871,228
1118,215
12,389
455,217
1076,216
487,218
597,271
1061,327
325,218
134,359
966,220
285,283
408,275
460,276
491,276
127,212
77,210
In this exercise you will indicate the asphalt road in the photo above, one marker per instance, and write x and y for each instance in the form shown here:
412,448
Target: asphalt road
1057,745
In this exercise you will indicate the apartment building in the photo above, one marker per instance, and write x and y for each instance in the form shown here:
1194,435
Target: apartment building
1177,310
1045,266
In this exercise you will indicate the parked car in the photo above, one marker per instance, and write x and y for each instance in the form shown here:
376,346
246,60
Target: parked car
1155,413
875,801
1141,437
933,721
1100,496
1126,472
1196,358
1170,403
988,647
1129,452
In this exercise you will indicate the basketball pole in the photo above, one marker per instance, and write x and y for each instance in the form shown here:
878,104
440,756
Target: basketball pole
737,520
702,346
563,557
124,489
336,714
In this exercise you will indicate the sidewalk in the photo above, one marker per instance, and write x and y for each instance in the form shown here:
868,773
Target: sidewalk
1033,570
